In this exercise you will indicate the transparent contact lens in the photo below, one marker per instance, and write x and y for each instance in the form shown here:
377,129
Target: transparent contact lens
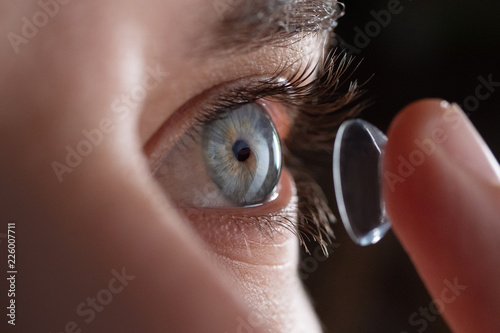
357,179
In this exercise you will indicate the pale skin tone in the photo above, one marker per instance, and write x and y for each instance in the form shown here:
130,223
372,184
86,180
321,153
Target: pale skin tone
109,212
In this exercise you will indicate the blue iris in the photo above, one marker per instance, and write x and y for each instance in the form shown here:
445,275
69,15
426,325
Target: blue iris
242,154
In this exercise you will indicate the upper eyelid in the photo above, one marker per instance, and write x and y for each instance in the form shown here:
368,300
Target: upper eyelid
280,87
207,106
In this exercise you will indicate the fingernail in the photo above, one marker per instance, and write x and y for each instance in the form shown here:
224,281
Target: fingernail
464,145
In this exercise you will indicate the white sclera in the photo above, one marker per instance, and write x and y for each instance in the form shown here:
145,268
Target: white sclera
357,179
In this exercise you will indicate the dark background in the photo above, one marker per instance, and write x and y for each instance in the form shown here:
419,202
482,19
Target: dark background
429,49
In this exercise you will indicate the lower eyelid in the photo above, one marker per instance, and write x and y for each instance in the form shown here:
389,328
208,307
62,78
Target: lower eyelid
255,235
286,193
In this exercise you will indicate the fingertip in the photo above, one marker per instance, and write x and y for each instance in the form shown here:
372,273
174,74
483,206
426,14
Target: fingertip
402,158
412,120
440,186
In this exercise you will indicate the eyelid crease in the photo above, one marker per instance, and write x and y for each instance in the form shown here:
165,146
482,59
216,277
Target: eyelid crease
311,95
318,98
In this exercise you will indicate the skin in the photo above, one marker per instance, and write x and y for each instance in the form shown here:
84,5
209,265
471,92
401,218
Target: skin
446,213
109,213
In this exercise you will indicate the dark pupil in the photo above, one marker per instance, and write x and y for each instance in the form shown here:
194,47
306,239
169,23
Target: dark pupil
241,150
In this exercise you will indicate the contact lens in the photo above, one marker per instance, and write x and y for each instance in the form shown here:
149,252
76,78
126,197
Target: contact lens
357,180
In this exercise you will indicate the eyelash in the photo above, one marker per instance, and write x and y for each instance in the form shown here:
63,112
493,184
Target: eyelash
318,108
322,106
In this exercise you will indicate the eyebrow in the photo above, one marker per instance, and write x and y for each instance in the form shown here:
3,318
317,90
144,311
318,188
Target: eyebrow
250,24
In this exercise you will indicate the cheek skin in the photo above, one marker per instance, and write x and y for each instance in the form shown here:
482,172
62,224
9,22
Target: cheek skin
84,70
260,264
274,294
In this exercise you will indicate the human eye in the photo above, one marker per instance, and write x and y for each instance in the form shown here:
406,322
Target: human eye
237,149
233,159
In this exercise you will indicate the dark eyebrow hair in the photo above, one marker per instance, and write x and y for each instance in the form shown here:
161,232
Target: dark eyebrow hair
250,24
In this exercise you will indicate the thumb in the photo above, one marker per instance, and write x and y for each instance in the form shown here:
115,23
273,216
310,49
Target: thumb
442,191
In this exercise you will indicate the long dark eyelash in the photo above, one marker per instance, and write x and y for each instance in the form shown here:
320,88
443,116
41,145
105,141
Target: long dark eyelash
314,214
324,103
320,105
